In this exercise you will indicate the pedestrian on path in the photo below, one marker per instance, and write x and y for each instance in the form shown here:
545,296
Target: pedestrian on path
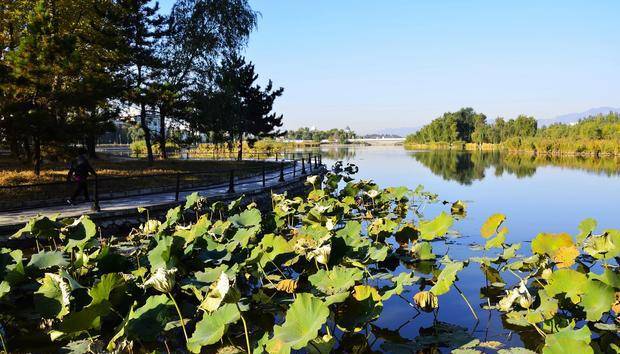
79,170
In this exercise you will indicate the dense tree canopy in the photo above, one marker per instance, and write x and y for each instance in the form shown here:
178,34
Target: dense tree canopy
70,68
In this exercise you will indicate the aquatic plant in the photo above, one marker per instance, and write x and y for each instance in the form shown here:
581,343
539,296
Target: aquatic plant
312,274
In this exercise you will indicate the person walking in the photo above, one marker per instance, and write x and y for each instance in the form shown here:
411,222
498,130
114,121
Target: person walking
79,170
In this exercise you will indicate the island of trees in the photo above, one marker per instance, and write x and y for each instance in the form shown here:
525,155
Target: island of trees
332,135
72,69
468,129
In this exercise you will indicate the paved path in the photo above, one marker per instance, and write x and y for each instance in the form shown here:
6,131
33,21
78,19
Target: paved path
242,185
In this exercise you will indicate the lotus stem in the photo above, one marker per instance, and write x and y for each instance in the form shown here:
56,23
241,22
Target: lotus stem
245,330
176,306
4,350
467,302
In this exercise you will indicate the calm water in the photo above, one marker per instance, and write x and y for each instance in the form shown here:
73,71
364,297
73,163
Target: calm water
537,195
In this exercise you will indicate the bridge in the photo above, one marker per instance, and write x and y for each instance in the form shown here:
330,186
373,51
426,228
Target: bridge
379,141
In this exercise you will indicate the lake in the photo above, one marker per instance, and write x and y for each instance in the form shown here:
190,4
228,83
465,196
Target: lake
536,195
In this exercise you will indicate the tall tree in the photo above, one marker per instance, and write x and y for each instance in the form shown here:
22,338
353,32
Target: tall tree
199,32
142,27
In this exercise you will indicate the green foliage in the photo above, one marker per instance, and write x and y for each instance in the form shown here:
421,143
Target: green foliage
304,276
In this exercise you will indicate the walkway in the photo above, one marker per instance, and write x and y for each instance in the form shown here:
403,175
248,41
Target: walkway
243,185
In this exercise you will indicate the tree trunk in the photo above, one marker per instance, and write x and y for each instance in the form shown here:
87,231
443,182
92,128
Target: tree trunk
147,132
27,150
37,156
240,151
162,134
91,144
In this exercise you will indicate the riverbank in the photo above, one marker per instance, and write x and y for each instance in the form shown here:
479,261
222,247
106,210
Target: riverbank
533,146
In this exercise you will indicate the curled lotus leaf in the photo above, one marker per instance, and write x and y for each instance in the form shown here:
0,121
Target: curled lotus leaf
490,226
497,241
162,280
426,300
446,278
605,246
287,285
216,294
458,208
303,319
586,227
438,227
519,294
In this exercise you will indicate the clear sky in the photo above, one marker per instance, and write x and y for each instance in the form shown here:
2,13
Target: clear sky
374,64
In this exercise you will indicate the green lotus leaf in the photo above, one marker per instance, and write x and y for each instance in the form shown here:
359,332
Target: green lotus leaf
608,277
45,260
567,281
40,226
569,340
193,200
80,233
243,236
586,227
605,246
446,278
108,288
268,249
336,280
489,228
597,299
423,251
382,227
510,252
336,298
351,234
429,230
172,218
164,254
86,319
400,281
5,288
321,345
212,327
547,308
51,300
378,253
303,319
363,306
497,241
248,218
149,320
548,244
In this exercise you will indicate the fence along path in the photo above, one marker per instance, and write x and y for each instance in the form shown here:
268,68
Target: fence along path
268,178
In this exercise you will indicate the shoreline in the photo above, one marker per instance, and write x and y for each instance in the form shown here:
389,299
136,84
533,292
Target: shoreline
499,148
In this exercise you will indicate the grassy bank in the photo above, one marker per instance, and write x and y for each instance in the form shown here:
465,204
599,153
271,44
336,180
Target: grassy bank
533,145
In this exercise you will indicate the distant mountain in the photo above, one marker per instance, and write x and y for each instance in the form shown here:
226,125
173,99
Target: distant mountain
402,131
574,117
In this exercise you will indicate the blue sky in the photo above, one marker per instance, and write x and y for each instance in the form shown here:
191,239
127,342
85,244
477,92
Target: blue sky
400,63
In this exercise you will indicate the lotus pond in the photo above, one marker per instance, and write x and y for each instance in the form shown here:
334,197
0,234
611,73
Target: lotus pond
352,267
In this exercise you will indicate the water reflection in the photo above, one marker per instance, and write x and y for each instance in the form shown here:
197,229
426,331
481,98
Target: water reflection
466,167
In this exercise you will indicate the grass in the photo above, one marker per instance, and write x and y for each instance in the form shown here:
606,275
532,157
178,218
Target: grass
116,176
14,173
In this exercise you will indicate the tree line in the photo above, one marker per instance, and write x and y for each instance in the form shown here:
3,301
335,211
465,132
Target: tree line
468,126
310,134
70,68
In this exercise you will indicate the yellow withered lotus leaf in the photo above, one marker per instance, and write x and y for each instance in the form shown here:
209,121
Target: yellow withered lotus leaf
564,257
287,285
426,300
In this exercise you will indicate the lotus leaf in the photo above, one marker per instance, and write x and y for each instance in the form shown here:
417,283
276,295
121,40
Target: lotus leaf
569,340
335,280
212,327
430,230
446,278
303,319
489,228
